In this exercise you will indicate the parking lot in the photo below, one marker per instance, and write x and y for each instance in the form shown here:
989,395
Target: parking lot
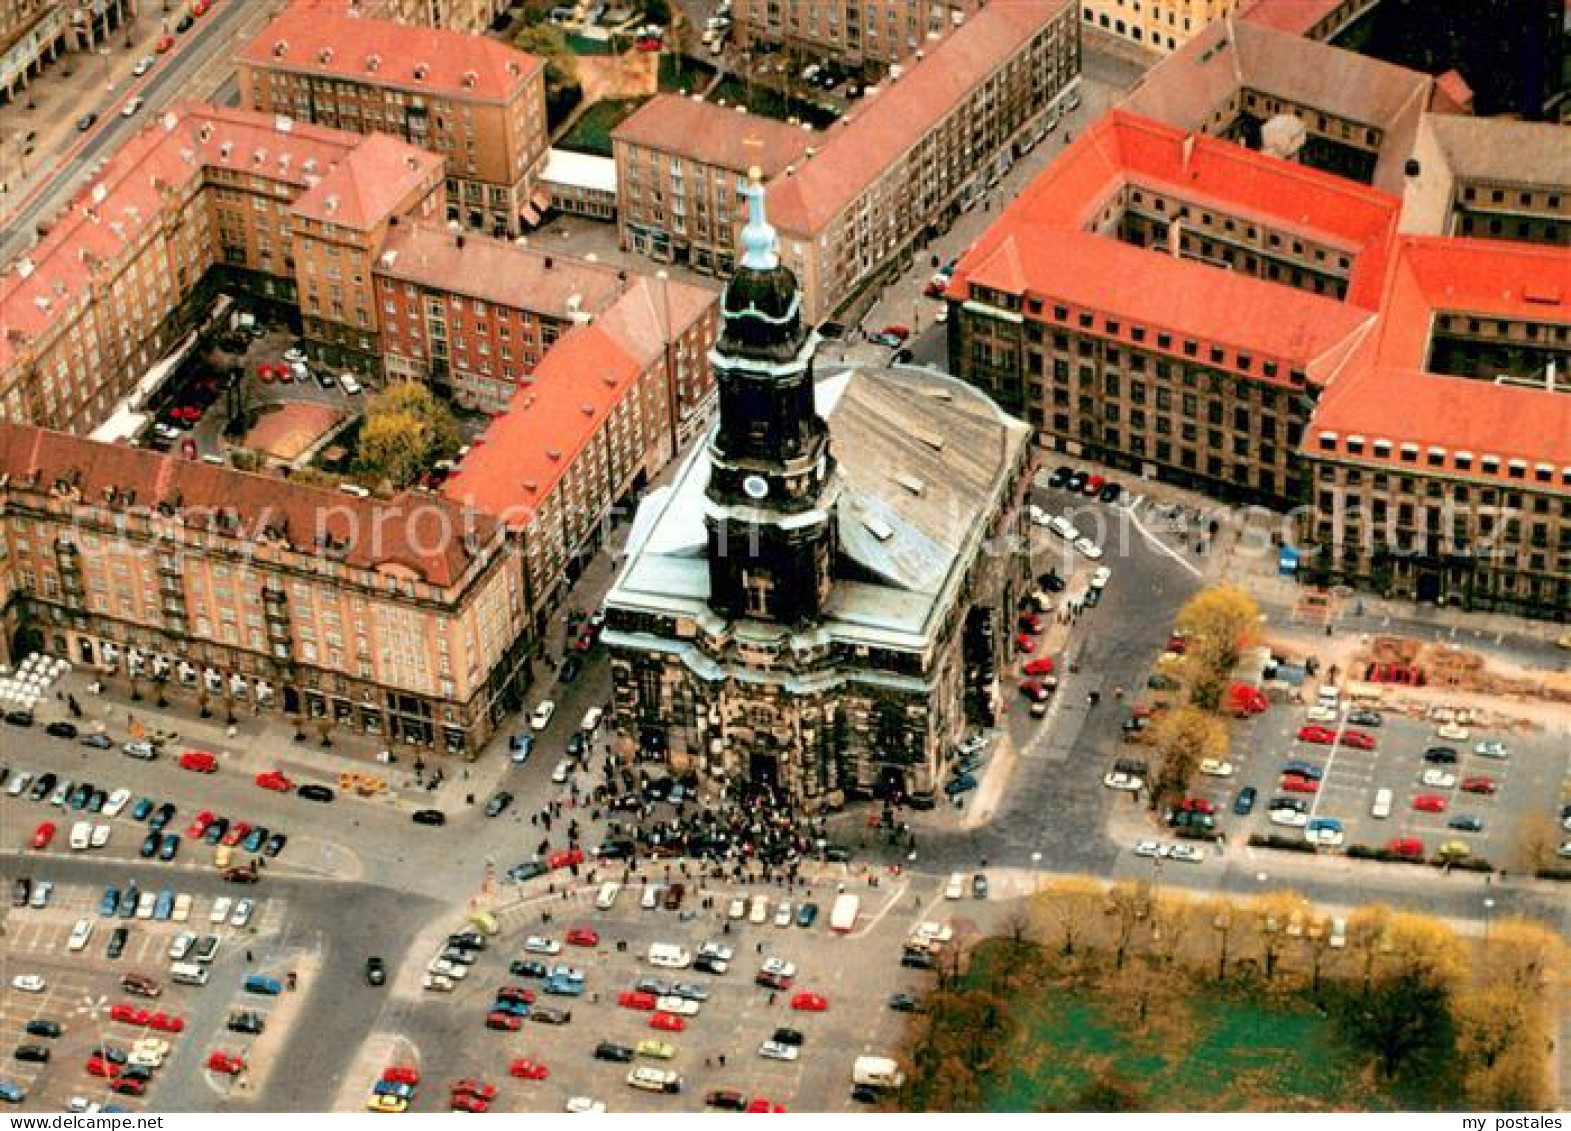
83,994
718,1047
1526,782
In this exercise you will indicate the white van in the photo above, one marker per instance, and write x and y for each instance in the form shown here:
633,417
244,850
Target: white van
188,974
1382,806
956,887
877,1072
670,956
654,1079
760,909
81,835
592,719
1338,937
608,894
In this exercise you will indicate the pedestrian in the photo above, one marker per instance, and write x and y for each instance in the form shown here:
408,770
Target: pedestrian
771,997
248,958
722,1060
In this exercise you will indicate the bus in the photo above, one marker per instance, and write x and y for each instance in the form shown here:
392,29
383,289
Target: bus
842,916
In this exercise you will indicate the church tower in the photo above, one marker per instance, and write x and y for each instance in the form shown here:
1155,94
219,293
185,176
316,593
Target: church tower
771,486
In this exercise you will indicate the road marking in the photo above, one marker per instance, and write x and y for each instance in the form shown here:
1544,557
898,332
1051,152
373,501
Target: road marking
1193,569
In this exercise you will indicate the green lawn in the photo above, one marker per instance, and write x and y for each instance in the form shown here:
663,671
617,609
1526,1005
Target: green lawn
592,132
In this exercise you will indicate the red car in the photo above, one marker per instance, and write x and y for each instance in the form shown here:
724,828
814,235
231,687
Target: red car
1406,846
225,1062
1025,642
1479,785
479,1089
516,993
810,1002
463,1101
1314,732
199,825
1358,739
199,8
1041,666
895,330
237,832
98,1066
43,834
1030,622
1177,643
128,1086
763,1105
636,999
503,1021
565,859
164,44
1033,690
166,1022
1196,805
1094,485
1429,803
526,1069
583,936
1297,783
276,781
667,1022
648,44
199,762
128,1014
401,1074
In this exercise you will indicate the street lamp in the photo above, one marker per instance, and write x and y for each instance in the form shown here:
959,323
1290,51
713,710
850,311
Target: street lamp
1489,907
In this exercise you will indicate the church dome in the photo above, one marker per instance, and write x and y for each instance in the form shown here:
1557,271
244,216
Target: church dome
762,304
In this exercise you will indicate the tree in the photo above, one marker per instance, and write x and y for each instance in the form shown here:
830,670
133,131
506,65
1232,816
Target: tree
549,43
1218,623
1068,907
1537,841
1223,920
1127,906
406,429
1183,738
1401,1019
1279,917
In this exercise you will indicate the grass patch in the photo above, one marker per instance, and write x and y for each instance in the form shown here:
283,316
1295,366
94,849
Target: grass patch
686,74
592,132
583,45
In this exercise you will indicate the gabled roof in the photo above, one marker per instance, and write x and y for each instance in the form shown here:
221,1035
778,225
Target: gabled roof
373,534
654,312
321,39
365,188
721,136
861,147
1503,149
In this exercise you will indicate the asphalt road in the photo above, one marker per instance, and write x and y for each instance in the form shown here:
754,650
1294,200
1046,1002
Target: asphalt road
166,83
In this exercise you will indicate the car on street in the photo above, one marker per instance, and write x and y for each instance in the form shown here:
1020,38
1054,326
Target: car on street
429,817
1466,822
275,780
1317,734
132,105
774,1050
1429,803
86,122
1491,748
1438,779
143,65
610,1050
375,971
498,804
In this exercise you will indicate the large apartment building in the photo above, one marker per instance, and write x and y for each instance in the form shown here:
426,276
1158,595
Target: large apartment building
1165,302
479,317
477,102
401,618
1158,26
681,172
858,34
899,167
290,213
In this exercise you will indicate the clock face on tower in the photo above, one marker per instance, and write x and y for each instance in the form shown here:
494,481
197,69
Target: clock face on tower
756,486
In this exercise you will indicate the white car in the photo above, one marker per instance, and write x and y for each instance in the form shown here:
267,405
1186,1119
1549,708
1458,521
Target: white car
1322,713
80,934
542,714
43,889
81,835
349,384
783,914
1564,852
182,945
29,983
563,771
760,909
220,912
294,353
737,909
20,782
117,802
242,913
1291,818
937,932
1490,748
779,967
1192,853
1100,577
717,950
181,911
1126,782
973,744
1149,849
584,1105
1039,516
1452,731
1089,549
438,983
132,105
144,64
457,971
1216,768
1326,836
1439,779
678,1005
101,835
774,1050
539,944
651,897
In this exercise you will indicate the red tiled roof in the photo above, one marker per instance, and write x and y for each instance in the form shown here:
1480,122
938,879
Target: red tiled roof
514,467
1293,16
1384,392
1044,244
111,212
316,38
714,135
367,185
860,148
371,533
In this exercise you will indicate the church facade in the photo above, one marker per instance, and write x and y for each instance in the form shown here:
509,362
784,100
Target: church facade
819,600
